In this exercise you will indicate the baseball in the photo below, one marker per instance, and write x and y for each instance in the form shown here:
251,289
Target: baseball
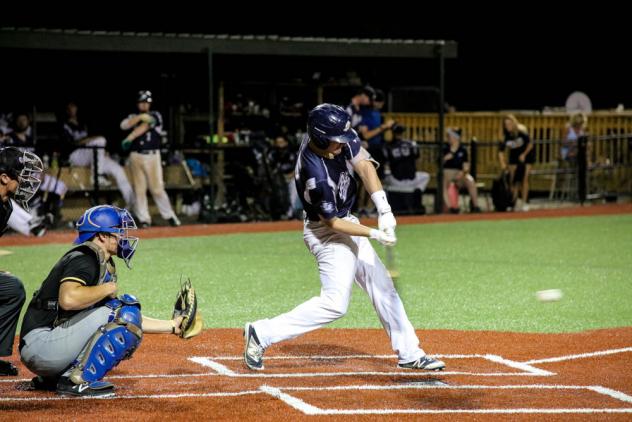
551,295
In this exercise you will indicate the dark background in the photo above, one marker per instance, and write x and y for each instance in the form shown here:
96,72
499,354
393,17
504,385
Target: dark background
509,58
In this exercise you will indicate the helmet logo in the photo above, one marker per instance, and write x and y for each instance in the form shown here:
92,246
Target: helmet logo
348,126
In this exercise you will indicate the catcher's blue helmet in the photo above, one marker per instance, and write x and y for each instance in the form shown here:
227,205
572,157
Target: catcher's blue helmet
329,123
109,219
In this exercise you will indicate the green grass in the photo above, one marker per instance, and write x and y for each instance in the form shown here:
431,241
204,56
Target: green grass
472,276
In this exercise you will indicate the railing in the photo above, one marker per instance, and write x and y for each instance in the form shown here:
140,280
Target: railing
610,137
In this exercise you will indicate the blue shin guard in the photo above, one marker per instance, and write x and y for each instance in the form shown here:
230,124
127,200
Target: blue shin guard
113,342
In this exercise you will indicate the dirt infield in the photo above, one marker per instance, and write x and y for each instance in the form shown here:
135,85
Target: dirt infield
67,236
352,375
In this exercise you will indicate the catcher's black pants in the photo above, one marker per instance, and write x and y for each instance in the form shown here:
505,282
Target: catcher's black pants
12,297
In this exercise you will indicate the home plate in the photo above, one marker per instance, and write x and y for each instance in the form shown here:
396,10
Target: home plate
434,382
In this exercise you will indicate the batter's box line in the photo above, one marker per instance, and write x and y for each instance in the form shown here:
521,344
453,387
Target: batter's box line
308,409
212,362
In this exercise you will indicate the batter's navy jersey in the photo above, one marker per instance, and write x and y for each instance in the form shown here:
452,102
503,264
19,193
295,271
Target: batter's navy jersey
327,187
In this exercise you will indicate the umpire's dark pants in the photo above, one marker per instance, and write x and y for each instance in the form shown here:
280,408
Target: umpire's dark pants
12,296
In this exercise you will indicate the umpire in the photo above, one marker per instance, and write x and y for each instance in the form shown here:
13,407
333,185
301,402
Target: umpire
19,180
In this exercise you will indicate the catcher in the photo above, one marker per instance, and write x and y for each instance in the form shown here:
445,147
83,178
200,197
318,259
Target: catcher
76,329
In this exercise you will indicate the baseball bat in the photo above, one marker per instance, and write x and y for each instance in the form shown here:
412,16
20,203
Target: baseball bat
390,262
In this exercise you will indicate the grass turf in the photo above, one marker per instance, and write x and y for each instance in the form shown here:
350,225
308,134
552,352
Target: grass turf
472,276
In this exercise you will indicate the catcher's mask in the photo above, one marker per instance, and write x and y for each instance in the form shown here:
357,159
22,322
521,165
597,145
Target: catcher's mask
109,219
26,168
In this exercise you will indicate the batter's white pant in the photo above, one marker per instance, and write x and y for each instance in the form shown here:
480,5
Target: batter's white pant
341,260
84,157
147,171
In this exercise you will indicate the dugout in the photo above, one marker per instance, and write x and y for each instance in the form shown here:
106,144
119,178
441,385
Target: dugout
122,54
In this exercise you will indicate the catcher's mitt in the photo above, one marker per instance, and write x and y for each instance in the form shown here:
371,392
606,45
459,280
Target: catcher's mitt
186,307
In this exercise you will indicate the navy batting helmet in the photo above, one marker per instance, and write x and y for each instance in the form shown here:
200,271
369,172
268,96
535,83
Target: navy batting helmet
144,97
329,123
109,219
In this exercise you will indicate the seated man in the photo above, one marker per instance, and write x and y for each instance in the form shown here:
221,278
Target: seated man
75,136
75,329
456,169
401,155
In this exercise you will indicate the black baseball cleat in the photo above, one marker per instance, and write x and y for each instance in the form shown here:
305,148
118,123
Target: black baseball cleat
253,352
7,369
44,383
174,222
65,387
425,362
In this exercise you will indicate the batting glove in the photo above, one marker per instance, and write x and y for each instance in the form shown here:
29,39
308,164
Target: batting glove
126,144
386,219
386,238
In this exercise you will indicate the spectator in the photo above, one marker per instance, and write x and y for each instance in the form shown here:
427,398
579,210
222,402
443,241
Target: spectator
521,157
144,143
362,99
75,136
283,158
574,129
456,169
371,130
401,155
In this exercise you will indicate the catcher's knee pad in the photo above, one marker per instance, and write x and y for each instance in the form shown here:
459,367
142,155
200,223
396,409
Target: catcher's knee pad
113,342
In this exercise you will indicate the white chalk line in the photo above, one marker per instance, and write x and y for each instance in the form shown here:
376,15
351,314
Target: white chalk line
211,362
580,356
139,376
309,409
139,396
338,357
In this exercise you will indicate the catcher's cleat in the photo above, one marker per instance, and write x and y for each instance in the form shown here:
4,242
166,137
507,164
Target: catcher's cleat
65,387
44,383
253,352
424,362
7,368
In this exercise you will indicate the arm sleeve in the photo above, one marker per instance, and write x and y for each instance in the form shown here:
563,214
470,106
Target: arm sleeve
81,269
125,122
354,152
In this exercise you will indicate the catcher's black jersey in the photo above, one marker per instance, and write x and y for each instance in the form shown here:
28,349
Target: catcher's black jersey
76,266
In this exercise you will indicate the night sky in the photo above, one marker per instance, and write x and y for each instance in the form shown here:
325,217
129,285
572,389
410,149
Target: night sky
525,60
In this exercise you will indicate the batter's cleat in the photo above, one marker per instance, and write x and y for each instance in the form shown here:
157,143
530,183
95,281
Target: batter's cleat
7,369
253,352
44,383
425,362
65,387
